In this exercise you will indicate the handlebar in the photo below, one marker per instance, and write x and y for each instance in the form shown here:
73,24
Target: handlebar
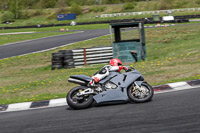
130,67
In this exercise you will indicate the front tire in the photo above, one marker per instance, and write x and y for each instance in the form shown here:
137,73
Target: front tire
140,96
76,102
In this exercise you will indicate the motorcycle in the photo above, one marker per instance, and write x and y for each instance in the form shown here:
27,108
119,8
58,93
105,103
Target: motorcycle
115,88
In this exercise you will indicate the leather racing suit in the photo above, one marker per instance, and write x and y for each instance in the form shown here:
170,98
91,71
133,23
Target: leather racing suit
105,72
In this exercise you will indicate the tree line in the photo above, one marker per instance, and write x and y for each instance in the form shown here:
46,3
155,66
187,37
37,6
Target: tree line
35,4
14,7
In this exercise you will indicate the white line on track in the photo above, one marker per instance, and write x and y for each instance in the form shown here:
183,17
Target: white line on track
180,88
16,33
38,39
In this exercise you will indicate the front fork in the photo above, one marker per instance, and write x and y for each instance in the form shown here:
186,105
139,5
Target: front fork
136,86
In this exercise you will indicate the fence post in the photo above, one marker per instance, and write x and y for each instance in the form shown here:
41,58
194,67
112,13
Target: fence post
85,57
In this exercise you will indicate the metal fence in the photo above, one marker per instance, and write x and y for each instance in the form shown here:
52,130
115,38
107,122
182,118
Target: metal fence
148,12
92,55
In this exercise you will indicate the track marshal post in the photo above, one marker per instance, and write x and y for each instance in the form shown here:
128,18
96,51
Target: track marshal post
128,41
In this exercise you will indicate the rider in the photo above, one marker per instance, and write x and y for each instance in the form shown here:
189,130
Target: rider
114,65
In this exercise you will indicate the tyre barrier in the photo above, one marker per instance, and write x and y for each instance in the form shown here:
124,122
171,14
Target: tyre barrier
78,57
62,59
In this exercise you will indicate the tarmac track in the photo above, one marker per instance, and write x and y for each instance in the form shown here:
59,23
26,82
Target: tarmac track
174,112
21,48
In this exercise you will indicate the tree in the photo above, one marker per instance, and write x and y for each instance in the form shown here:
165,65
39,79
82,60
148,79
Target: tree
30,3
15,7
7,17
129,6
75,8
3,4
61,3
111,1
48,3
165,4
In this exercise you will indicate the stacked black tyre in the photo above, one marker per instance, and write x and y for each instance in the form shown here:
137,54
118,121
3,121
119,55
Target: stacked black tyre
62,59
68,59
57,61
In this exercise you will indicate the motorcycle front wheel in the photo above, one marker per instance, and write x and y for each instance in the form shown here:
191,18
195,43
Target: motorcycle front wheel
79,102
142,94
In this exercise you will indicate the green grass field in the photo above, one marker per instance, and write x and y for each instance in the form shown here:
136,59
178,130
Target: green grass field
173,54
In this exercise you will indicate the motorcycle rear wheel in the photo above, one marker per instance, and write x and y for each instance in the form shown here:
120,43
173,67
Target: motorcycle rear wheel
78,102
140,96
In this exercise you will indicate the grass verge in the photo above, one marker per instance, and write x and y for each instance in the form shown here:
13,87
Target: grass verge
172,55
5,39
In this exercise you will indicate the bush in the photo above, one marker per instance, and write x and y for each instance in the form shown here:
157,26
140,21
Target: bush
61,11
198,2
52,16
24,15
7,17
180,4
97,9
129,6
76,9
36,13
48,3
164,4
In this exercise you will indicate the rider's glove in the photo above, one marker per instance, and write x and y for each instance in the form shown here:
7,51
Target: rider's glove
127,69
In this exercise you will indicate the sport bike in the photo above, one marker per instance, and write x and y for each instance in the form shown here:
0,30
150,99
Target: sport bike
115,88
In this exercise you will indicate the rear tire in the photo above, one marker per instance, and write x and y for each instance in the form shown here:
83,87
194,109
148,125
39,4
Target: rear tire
78,104
139,97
